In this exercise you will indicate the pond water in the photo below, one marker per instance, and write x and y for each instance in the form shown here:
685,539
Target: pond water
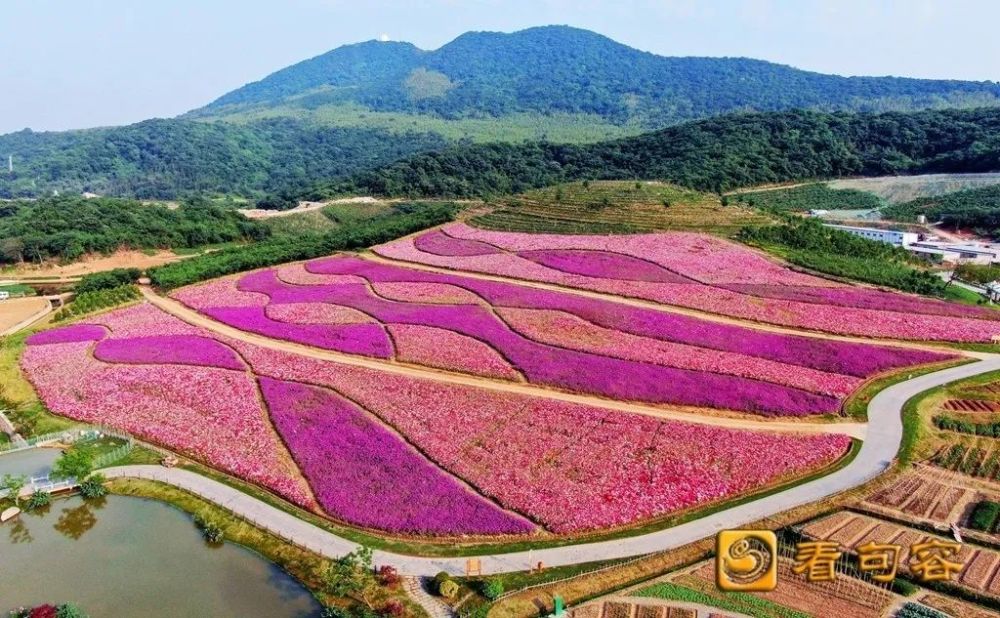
123,556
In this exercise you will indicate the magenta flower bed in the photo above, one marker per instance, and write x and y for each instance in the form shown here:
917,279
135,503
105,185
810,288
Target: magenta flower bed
168,349
601,264
864,298
363,339
68,334
440,244
444,349
366,475
545,364
212,415
609,349
711,265
572,468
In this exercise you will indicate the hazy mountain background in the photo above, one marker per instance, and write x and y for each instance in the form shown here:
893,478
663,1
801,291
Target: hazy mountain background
363,106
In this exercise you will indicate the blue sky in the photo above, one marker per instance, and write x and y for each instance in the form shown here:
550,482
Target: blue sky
82,63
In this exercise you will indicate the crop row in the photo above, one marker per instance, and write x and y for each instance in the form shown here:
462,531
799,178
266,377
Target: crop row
553,339
700,272
569,467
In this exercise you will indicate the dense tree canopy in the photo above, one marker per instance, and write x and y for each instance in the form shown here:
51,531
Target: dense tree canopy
715,154
68,227
167,159
973,208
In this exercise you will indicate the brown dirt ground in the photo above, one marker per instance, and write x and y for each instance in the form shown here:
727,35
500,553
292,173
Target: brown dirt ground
92,264
13,311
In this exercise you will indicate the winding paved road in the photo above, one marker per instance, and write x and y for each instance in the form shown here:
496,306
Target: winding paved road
884,434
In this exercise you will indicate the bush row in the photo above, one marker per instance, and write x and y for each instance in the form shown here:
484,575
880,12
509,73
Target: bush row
94,301
979,429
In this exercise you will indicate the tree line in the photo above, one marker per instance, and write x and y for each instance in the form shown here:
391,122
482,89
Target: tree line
716,154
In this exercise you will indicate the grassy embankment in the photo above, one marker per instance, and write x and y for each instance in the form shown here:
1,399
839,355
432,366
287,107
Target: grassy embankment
618,207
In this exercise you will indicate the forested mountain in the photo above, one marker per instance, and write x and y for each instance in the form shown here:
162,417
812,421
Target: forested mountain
170,158
714,154
362,106
562,69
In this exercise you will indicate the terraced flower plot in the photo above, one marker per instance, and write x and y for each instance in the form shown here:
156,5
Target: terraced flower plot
700,272
551,339
395,453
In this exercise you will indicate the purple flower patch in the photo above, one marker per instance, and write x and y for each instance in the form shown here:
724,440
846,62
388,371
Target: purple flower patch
362,473
439,243
68,334
363,339
602,264
168,350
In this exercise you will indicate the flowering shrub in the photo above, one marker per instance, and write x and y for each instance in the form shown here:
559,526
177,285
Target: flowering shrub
364,474
566,341
168,349
541,364
220,292
68,334
714,275
568,466
364,339
316,313
209,414
444,349
441,244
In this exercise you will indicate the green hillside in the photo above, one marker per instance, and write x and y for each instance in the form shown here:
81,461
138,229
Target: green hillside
716,154
361,106
973,208
558,69
812,196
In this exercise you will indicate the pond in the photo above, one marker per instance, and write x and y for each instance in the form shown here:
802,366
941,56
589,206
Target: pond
123,556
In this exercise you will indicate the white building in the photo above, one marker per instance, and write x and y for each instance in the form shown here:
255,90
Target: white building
893,237
967,253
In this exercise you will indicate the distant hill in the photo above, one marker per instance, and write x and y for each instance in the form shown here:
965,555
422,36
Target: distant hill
558,69
716,154
362,106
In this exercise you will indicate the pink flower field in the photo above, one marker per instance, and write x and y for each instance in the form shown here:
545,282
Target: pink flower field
393,452
554,339
700,272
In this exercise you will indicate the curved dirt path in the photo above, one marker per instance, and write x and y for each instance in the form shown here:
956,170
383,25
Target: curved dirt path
877,453
181,311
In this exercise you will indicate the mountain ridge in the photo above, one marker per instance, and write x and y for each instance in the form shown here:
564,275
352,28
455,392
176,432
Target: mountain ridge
563,69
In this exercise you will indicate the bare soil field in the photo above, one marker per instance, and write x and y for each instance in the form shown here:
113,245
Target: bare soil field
16,310
897,189
259,213
92,264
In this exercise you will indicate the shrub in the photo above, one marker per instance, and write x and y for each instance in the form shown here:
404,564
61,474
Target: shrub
93,487
68,610
440,578
333,611
388,576
107,280
38,500
211,531
43,611
492,589
448,589
394,608
302,247
985,516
